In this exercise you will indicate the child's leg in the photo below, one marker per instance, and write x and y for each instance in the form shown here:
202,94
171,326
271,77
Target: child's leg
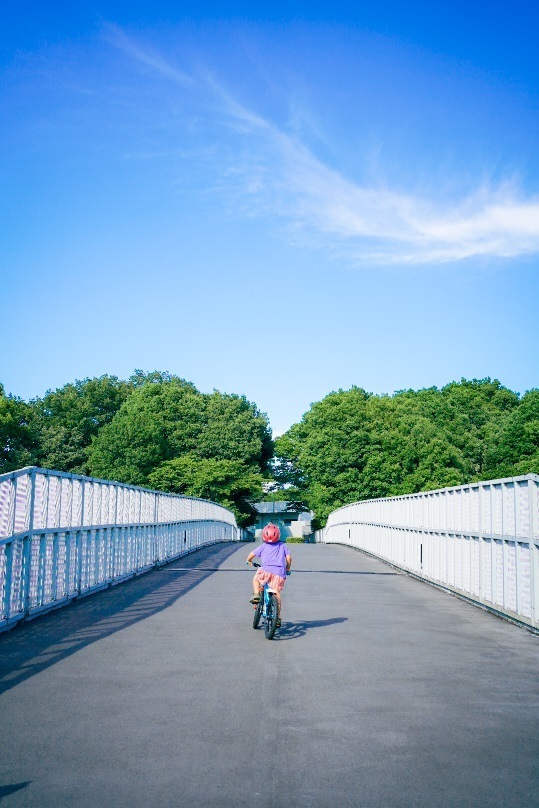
278,596
256,586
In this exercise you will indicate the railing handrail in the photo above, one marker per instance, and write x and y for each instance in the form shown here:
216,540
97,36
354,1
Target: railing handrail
460,487
11,475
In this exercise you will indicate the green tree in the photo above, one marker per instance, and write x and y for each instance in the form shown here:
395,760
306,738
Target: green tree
353,445
514,446
159,421
326,451
229,482
235,429
467,412
167,430
69,418
18,440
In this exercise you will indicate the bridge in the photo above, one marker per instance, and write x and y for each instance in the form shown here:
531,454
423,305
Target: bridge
379,690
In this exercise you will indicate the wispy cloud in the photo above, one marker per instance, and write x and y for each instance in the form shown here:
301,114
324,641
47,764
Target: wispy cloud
372,223
152,59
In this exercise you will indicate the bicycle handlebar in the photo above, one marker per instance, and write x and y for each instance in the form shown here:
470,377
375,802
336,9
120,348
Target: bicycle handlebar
256,564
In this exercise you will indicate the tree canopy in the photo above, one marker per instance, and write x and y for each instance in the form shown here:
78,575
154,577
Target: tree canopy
18,439
513,446
232,483
155,429
69,418
168,434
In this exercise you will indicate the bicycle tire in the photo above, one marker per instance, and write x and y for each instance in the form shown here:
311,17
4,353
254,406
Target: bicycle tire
258,611
271,620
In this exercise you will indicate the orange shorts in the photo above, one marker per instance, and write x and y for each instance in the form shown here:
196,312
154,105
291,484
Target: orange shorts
274,582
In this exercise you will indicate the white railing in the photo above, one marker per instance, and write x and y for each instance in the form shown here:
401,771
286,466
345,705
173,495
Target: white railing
64,535
478,540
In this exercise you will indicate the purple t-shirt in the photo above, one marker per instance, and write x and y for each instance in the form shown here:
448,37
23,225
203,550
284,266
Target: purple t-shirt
273,557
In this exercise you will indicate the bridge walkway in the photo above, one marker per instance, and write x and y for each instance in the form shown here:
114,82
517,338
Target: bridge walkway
378,691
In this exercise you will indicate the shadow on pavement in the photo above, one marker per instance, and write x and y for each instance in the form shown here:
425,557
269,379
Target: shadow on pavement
34,646
293,631
345,572
5,791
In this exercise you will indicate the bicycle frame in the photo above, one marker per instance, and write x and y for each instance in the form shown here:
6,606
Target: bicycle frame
267,593
267,610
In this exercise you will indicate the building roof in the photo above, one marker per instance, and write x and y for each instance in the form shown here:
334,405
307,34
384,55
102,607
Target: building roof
271,507
281,507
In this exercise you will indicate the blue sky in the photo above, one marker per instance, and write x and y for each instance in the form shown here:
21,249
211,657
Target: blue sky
277,204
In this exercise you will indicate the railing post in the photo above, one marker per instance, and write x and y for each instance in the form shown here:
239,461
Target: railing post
155,553
139,534
12,513
518,555
55,558
27,555
481,542
67,570
9,551
105,538
78,544
7,585
534,551
505,549
113,534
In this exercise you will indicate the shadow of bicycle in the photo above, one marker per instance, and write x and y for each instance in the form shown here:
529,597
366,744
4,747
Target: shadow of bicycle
293,631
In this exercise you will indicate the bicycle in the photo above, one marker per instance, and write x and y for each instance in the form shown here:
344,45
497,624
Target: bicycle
267,610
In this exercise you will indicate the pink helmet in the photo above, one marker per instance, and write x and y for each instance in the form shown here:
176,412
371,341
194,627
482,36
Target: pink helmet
271,534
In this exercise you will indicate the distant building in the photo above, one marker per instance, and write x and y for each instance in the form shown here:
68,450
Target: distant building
292,522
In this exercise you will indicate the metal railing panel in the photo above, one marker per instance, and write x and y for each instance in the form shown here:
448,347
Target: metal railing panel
478,540
64,535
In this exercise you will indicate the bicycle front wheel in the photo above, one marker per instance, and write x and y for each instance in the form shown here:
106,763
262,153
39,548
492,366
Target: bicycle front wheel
271,618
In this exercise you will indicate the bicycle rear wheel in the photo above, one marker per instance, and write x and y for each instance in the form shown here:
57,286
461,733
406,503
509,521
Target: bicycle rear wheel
271,618
258,611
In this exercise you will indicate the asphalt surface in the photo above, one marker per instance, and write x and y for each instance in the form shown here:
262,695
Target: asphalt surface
378,691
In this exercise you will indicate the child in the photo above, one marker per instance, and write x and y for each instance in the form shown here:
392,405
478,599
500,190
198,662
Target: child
275,563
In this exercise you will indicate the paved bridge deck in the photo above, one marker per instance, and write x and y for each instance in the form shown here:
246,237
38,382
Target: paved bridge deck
378,691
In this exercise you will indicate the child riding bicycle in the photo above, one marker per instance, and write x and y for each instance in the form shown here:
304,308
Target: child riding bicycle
275,564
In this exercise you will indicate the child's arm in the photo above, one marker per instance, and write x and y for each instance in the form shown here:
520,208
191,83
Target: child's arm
288,562
250,558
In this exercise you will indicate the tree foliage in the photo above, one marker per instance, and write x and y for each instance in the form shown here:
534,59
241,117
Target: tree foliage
69,418
170,436
166,419
513,447
18,438
153,430
158,422
231,483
